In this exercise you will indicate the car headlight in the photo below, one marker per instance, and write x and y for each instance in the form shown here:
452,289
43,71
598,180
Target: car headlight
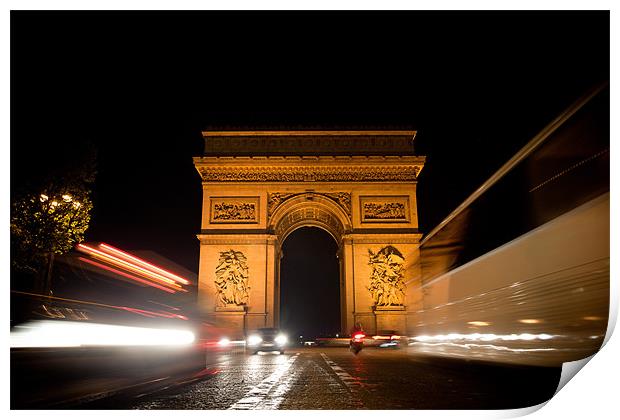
224,342
281,339
254,340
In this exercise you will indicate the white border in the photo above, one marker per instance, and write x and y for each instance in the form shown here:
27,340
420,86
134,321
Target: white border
592,394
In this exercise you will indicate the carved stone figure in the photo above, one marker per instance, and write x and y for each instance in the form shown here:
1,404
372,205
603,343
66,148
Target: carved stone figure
275,199
231,279
387,285
343,199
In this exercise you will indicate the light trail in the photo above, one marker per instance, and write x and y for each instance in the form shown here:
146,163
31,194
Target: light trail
127,265
105,267
144,263
483,337
40,334
104,305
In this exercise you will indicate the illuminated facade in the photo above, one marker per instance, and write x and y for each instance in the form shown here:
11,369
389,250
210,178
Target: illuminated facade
259,187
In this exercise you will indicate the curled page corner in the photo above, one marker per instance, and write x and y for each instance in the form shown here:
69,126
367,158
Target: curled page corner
518,412
570,369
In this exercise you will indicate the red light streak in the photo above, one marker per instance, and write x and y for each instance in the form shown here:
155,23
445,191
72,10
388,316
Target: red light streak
151,314
144,263
129,268
144,312
128,265
129,276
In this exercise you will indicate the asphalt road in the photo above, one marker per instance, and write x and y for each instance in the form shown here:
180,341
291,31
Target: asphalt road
334,378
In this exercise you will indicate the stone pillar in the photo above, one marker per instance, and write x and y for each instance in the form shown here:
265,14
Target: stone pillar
348,272
373,259
270,279
258,253
391,318
231,317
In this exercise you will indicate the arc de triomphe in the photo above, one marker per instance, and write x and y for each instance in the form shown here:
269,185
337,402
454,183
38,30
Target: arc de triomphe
260,186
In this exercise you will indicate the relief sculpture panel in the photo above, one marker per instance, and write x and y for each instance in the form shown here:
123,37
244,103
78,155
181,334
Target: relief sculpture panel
385,209
387,285
234,209
231,279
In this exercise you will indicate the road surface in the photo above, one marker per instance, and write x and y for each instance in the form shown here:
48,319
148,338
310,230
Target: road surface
334,378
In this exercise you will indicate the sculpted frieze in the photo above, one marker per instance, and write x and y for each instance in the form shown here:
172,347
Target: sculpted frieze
231,279
387,285
347,144
309,174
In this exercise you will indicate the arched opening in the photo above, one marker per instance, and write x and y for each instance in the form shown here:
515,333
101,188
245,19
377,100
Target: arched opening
310,284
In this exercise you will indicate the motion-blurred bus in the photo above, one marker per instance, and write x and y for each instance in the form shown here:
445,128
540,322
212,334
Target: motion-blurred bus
519,272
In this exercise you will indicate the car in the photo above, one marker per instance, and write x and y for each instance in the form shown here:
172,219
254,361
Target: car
266,339
388,339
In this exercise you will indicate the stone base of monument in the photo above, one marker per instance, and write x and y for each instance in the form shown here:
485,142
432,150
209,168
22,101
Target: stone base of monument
231,318
390,318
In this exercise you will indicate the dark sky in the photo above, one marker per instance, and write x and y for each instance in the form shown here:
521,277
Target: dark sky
141,86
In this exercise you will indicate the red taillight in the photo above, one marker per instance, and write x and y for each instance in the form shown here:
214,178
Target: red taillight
359,336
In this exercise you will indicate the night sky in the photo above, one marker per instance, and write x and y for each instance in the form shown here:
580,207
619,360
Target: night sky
142,86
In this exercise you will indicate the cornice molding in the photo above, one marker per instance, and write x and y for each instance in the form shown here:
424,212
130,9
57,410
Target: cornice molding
312,133
309,160
382,238
237,239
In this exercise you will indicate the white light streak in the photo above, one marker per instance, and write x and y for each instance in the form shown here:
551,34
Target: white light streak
530,321
80,334
479,323
482,337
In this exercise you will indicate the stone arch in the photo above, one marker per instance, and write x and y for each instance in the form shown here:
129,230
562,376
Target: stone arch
309,209
260,186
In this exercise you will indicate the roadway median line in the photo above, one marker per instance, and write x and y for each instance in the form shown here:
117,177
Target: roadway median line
257,395
352,384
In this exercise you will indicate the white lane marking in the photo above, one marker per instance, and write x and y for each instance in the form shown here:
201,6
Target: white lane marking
348,380
351,383
277,396
257,395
